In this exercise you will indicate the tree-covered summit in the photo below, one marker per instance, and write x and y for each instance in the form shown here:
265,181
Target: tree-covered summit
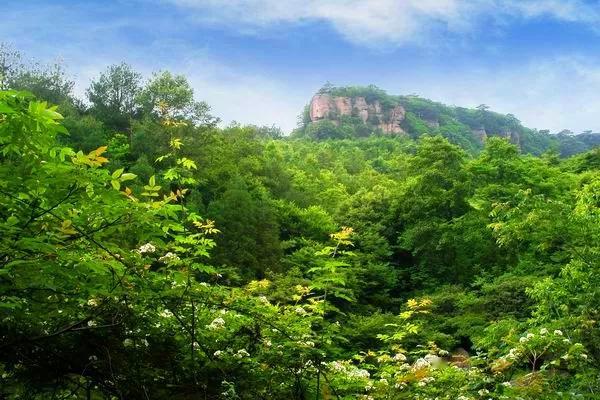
466,127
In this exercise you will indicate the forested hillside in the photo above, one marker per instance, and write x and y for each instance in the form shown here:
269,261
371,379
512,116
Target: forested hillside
355,111
147,253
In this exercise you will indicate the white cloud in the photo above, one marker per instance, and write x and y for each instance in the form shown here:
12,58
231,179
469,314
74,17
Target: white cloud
381,23
553,93
556,94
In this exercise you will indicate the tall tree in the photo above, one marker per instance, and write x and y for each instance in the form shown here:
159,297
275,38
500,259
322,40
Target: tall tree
113,96
173,95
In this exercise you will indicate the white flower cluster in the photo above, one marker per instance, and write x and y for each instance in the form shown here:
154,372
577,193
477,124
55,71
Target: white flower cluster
242,353
147,248
169,258
513,354
300,311
526,338
421,363
399,357
165,313
93,302
350,371
358,373
423,382
217,323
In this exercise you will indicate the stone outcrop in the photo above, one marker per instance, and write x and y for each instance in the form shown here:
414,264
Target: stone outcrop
513,137
480,134
321,107
325,106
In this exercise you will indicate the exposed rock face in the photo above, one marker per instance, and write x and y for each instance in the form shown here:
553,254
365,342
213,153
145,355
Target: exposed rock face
325,106
480,134
343,105
397,115
320,107
513,137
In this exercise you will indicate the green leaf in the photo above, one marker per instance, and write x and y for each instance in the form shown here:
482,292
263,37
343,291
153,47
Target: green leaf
117,173
5,109
127,177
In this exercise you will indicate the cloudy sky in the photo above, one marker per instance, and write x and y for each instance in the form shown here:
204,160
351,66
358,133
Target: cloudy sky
260,61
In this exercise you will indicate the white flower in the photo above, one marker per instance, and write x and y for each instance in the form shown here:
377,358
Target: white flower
530,336
483,392
337,366
565,340
359,373
300,311
584,356
146,248
523,339
558,332
421,363
91,324
399,357
169,258
145,342
263,299
217,323
93,358
217,353
127,342
165,313
242,353
443,353
543,331
92,302
507,384
433,360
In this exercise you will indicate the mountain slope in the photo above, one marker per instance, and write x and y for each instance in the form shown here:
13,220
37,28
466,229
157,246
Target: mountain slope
355,111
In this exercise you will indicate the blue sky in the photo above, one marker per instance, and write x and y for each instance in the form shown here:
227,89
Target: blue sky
260,61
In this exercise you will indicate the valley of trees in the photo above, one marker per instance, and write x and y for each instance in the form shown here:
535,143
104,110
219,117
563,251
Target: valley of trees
148,253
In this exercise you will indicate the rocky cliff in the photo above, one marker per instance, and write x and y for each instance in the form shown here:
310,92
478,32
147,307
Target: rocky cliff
362,111
325,106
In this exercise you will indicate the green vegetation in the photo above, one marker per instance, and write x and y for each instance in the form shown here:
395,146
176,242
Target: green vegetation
146,253
459,125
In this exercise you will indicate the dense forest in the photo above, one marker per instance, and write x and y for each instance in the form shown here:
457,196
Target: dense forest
146,252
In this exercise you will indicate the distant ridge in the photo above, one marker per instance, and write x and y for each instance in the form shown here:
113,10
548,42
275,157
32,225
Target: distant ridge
361,111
